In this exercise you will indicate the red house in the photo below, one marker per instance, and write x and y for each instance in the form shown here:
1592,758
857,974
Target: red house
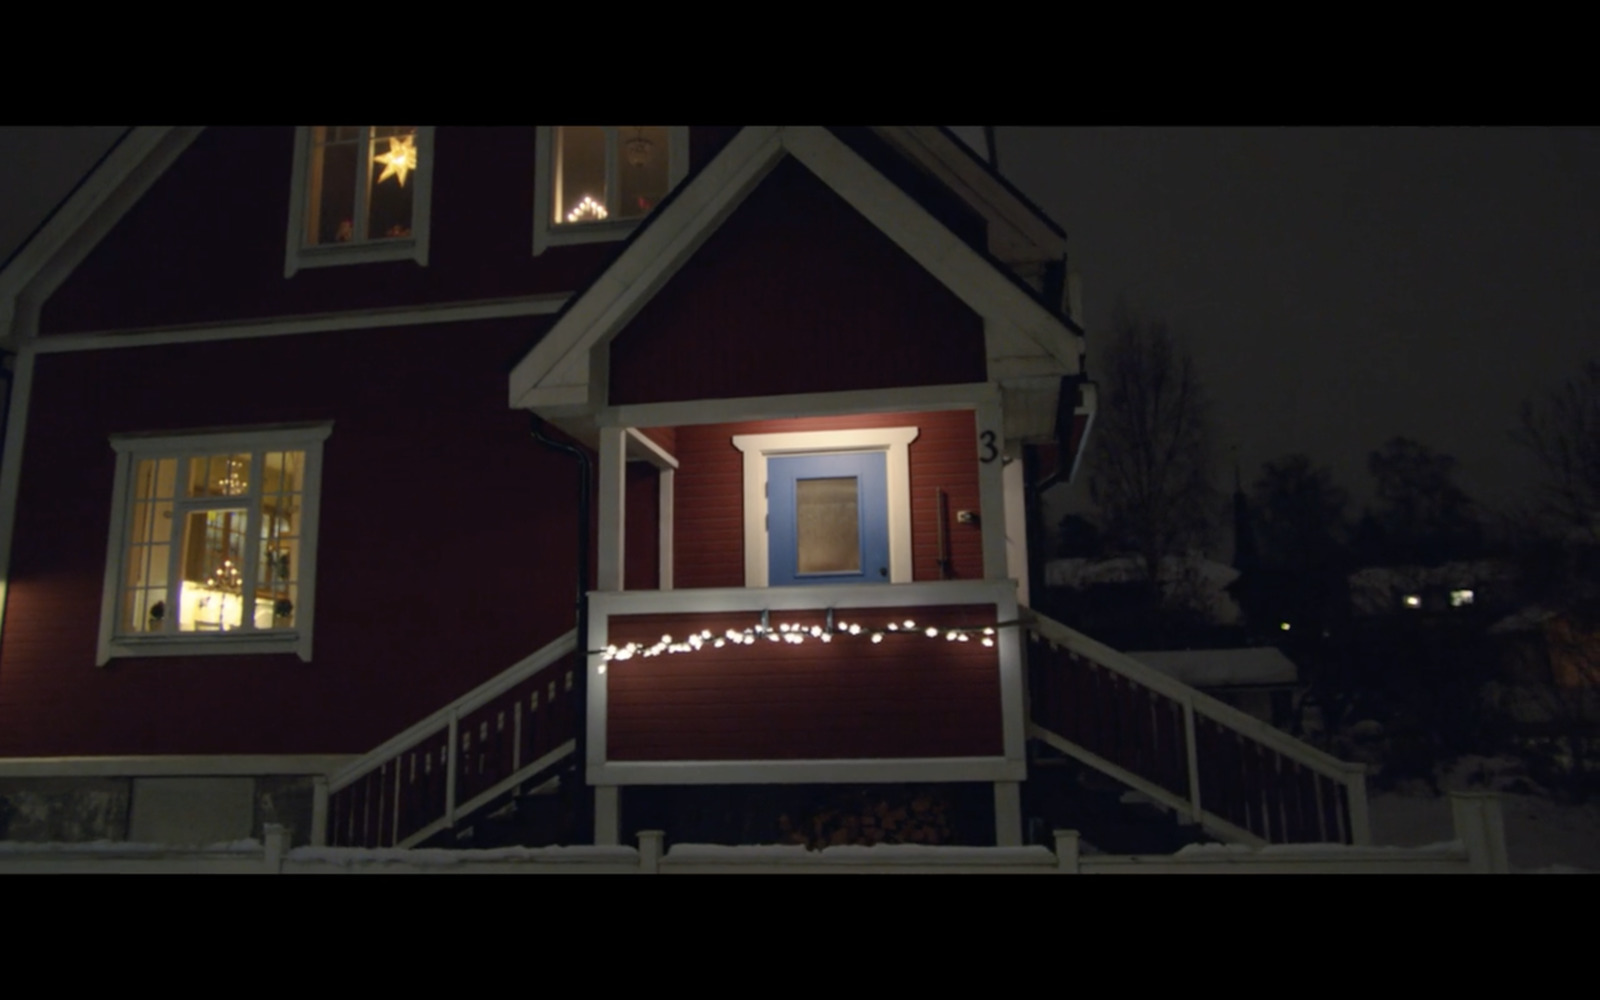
277,543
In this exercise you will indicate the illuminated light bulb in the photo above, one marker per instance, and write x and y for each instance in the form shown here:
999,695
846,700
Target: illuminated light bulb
855,629
827,637
910,623
667,639
963,637
718,643
772,636
816,631
988,631
931,632
602,668
893,627
988,641
1284,626
877,637
588,208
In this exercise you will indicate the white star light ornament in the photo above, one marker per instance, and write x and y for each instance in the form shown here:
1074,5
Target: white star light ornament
400,160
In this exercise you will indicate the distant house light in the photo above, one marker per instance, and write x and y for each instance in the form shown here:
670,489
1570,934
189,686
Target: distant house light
1284,626
1412,600
1460,598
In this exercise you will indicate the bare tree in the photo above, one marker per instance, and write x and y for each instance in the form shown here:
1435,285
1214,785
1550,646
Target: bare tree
1150,464
1562,431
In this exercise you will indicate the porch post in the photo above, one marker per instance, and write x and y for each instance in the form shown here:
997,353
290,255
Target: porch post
1007,814
613,506
607,816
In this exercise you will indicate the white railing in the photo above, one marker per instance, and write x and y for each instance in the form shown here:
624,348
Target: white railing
440,748
1479,848
1256,822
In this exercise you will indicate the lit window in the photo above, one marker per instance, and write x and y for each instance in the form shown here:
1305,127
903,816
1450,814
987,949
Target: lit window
596,181
360,193
1412,600
213,544
1460,598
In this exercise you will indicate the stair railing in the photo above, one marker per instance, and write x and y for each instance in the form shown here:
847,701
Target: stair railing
468,753
1211,763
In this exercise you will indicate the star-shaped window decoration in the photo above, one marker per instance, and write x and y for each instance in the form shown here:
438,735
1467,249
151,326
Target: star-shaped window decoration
400,160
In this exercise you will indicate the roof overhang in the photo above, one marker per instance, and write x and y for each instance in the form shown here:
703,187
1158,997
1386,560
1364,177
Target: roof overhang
564,377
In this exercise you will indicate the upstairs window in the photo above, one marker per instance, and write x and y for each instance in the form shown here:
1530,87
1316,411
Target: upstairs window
360,193
595,182
213,544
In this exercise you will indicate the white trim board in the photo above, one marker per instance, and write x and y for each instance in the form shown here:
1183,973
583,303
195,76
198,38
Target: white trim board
563,372
798,772
356,319
172,766
758,448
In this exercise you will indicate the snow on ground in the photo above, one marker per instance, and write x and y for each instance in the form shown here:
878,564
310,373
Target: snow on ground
1542,834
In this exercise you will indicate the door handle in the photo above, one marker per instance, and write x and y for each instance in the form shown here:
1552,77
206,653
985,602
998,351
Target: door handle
883,571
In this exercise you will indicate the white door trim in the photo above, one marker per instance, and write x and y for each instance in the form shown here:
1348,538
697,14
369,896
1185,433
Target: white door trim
894,441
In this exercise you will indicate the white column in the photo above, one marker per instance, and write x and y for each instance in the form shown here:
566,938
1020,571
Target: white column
664,530
1007,814
613,506
1016,521
607,816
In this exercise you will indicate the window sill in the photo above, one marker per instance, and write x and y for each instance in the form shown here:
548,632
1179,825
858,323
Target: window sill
576,233
337,255
233,644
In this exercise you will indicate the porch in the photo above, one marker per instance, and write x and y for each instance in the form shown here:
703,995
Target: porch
896,683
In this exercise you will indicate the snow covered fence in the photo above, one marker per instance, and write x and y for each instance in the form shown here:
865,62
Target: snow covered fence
1479,847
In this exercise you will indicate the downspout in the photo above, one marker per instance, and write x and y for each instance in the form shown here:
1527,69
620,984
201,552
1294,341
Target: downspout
573,783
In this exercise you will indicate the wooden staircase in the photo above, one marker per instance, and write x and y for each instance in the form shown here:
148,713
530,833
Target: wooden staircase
1211,764
515,730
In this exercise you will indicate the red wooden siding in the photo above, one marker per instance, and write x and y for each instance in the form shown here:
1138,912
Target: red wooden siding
446,542
205,243
909,696
796,292
708,506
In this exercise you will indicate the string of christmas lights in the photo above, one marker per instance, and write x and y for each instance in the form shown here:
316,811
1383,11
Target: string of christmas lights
794,634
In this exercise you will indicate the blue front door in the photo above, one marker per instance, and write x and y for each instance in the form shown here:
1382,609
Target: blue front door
828,519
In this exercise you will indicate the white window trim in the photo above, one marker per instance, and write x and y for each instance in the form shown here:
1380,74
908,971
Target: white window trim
132,447
298,254
757,448
547,234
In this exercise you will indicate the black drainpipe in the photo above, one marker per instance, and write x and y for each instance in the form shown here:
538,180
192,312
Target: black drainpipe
573,781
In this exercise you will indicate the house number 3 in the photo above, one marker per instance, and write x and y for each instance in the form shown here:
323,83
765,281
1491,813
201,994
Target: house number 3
990,452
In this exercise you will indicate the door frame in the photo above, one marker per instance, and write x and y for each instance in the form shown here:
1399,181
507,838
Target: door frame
757,448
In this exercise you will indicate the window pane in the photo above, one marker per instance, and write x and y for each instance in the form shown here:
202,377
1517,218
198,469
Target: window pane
210,593
827,529
331,185
278,562
641,169
219,475
580,194
392,166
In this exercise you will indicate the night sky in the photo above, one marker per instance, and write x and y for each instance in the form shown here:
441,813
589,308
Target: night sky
1338,286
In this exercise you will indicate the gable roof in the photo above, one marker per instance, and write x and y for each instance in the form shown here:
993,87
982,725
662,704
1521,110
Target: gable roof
557,377
83,218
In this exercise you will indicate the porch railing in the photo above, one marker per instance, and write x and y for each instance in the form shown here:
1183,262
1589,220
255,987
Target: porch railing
1213,764
460,758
